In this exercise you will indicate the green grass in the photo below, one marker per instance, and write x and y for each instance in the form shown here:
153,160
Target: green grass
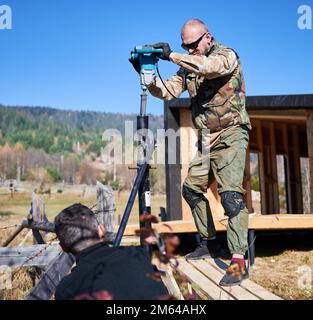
19,205
6,213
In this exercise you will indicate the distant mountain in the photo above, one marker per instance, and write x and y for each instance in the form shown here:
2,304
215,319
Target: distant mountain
57,131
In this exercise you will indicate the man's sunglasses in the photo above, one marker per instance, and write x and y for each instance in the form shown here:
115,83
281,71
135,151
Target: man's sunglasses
194,44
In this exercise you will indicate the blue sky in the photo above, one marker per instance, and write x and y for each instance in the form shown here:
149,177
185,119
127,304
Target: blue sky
73,54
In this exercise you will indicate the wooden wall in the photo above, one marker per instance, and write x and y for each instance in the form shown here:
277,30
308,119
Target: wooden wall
270,136
188,149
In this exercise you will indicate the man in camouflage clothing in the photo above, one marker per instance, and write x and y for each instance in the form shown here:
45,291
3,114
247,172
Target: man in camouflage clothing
213,76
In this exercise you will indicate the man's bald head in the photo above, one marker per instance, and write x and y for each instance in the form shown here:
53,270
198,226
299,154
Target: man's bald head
196,34
194,24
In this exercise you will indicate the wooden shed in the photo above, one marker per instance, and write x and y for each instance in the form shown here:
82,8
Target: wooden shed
281,149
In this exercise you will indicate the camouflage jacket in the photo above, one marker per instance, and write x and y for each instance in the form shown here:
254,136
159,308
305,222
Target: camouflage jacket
215,84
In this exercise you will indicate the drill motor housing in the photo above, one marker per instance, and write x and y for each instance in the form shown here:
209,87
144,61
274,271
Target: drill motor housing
148,57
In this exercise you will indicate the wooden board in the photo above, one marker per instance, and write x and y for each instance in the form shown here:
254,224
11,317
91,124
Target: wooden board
206,275
28,256
201,282
188,149
237,292
188,140
105,207
259,222
250,286
309,125
171,284
46,286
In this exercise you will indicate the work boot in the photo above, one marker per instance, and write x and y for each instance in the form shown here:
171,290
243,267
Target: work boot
235,274
206,249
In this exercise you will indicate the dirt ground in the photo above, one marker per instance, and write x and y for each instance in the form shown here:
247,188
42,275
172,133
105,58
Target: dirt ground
284,264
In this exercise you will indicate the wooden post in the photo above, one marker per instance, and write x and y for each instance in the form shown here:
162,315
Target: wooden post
173,170
274,176
58,269
295,170
261,167
309,128
38,214
287,169
106,207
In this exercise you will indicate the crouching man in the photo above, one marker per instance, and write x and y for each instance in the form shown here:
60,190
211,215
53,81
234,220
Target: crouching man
101,271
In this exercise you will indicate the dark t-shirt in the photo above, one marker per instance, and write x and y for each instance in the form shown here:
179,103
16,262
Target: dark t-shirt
122,272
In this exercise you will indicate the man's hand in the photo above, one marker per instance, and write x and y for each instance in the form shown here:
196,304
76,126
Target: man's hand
135,63
166,50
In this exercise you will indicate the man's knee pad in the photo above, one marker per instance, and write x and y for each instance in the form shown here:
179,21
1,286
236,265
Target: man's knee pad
232,203
192,197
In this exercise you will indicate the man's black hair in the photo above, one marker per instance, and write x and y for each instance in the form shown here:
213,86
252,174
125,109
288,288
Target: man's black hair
76,228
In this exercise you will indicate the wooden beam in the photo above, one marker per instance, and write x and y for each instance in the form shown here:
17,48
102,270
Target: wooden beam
170,282
197,279
58,269
105,206
237,292
261,167
173,171
309,129
258,222
274,175
287,168
188,140
281,118
296,187
29,256
248,285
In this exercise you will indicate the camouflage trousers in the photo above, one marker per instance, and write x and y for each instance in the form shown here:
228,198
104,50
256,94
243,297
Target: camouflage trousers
225,163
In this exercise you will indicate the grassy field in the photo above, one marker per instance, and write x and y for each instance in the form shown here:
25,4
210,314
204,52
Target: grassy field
19,205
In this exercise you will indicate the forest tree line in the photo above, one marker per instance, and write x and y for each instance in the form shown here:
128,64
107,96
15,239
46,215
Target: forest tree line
51,145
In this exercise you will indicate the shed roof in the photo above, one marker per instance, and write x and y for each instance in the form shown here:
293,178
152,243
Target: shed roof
295,101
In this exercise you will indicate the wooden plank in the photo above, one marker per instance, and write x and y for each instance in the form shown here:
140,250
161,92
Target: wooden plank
36,255
268,168
46,286
105,207
261,167
278,115
237,292
258,222
173,171
38,210
188,140
28,235
210,289
287,170
309,128
295,173
274,175
188,149
297,168
171,284
38,214
249,285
